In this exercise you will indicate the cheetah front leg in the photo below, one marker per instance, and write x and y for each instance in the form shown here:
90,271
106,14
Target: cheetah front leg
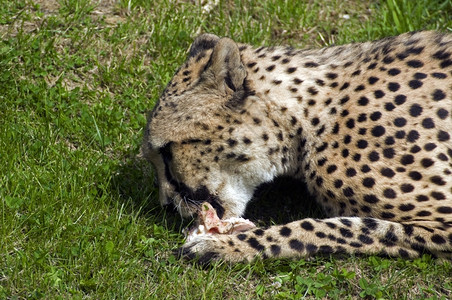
327,236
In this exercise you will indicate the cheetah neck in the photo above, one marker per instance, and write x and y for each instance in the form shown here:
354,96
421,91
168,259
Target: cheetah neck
302,96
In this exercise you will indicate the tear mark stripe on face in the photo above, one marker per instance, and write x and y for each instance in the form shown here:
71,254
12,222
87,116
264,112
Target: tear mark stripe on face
196,197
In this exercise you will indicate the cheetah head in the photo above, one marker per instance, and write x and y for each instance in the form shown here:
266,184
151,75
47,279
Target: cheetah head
199,137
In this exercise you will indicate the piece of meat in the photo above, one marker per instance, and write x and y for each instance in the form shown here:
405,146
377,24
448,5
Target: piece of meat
209,223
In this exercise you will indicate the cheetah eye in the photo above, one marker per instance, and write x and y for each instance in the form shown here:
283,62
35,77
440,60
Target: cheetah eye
165,151
167,157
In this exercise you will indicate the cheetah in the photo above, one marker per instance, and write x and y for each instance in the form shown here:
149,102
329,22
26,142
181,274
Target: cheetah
366,126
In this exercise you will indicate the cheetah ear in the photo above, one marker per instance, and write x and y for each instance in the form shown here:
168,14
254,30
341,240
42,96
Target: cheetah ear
225,66
203,42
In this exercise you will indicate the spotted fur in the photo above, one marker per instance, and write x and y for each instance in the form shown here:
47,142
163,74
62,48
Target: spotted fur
367,126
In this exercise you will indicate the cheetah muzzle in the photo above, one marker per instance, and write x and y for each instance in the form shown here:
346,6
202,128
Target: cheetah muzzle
366,126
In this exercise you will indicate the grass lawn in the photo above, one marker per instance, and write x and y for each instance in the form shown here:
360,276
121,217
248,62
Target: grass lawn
79,217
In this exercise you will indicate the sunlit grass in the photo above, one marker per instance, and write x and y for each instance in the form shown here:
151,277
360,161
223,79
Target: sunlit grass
79,217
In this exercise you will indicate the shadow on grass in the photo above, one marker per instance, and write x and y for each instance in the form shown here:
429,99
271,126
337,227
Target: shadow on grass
281,201
133,182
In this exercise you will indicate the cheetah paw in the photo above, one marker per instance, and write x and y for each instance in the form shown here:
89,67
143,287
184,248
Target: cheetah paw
206,249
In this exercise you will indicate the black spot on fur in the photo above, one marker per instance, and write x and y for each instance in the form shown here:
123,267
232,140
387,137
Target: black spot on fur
394,71
415,84
306,225
255,244
346,233
285,231
415,63
437,239
365,239
275,249
444,209
296,245
400,99
389,193
311,65
270,68
415,110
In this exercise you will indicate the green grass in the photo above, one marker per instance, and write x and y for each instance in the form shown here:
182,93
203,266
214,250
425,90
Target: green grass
79,217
